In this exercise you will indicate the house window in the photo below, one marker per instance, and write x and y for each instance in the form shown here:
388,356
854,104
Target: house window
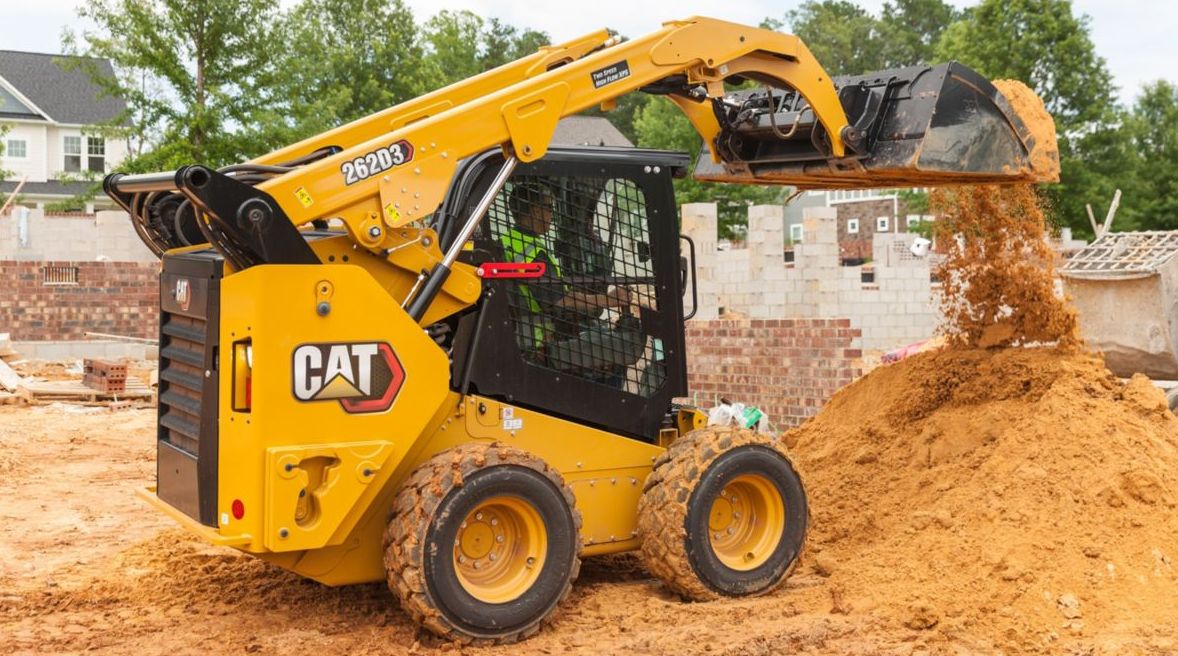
72,149
17,149
852,226
881,224
795,233
913,220
96,154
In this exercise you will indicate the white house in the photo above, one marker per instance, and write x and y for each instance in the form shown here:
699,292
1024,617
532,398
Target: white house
50,111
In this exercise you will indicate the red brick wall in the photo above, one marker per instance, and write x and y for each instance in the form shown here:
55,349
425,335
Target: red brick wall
120,298
786,367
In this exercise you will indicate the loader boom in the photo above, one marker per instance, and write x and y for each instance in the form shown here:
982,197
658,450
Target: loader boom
393,168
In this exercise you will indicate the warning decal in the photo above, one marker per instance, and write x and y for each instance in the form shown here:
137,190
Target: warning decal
611,73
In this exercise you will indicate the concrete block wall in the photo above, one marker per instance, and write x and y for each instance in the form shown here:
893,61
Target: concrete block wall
788,368
898,308
120,298
31,234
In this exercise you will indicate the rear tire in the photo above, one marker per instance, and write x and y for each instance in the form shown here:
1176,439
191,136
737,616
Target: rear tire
483,544
724,513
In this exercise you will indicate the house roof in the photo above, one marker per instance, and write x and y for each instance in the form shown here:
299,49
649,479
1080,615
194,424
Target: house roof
588,131
1122,255
66,94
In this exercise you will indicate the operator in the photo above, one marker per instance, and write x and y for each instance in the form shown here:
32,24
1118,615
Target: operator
556,324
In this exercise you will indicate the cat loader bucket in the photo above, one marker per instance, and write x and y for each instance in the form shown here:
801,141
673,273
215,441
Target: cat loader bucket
910,127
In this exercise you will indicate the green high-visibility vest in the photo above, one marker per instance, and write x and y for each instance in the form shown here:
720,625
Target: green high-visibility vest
524,248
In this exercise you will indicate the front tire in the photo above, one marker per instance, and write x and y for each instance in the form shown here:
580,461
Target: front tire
723,513
483,544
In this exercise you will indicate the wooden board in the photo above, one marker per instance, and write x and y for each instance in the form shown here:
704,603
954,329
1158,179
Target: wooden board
74,390
9,379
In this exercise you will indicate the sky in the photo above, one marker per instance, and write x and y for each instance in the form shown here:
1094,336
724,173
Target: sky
1136,37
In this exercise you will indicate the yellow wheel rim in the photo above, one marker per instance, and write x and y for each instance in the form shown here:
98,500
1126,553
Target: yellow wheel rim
500,549
746,522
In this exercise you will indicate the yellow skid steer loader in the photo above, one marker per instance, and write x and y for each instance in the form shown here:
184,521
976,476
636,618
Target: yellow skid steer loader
426,347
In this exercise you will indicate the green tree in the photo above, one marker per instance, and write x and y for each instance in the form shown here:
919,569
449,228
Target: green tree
1151,196
660,124
335,69
187,70
848,40
460,44
910,30
844,37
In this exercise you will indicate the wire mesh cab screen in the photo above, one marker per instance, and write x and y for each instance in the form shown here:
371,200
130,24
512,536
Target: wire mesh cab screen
582,317
597,336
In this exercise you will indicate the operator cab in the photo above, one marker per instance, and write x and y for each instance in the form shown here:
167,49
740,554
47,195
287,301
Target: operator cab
598,336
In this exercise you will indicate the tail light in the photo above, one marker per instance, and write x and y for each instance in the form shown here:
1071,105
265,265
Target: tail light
243,365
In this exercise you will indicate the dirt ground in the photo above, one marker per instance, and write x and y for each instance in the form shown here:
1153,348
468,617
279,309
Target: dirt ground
87,567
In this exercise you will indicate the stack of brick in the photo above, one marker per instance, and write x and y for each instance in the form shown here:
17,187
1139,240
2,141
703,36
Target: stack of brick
104,376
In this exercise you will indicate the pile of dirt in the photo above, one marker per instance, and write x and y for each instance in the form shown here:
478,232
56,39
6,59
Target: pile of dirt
998,281
1019,499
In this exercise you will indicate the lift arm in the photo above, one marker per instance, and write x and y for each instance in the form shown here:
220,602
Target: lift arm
916,127
393,168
